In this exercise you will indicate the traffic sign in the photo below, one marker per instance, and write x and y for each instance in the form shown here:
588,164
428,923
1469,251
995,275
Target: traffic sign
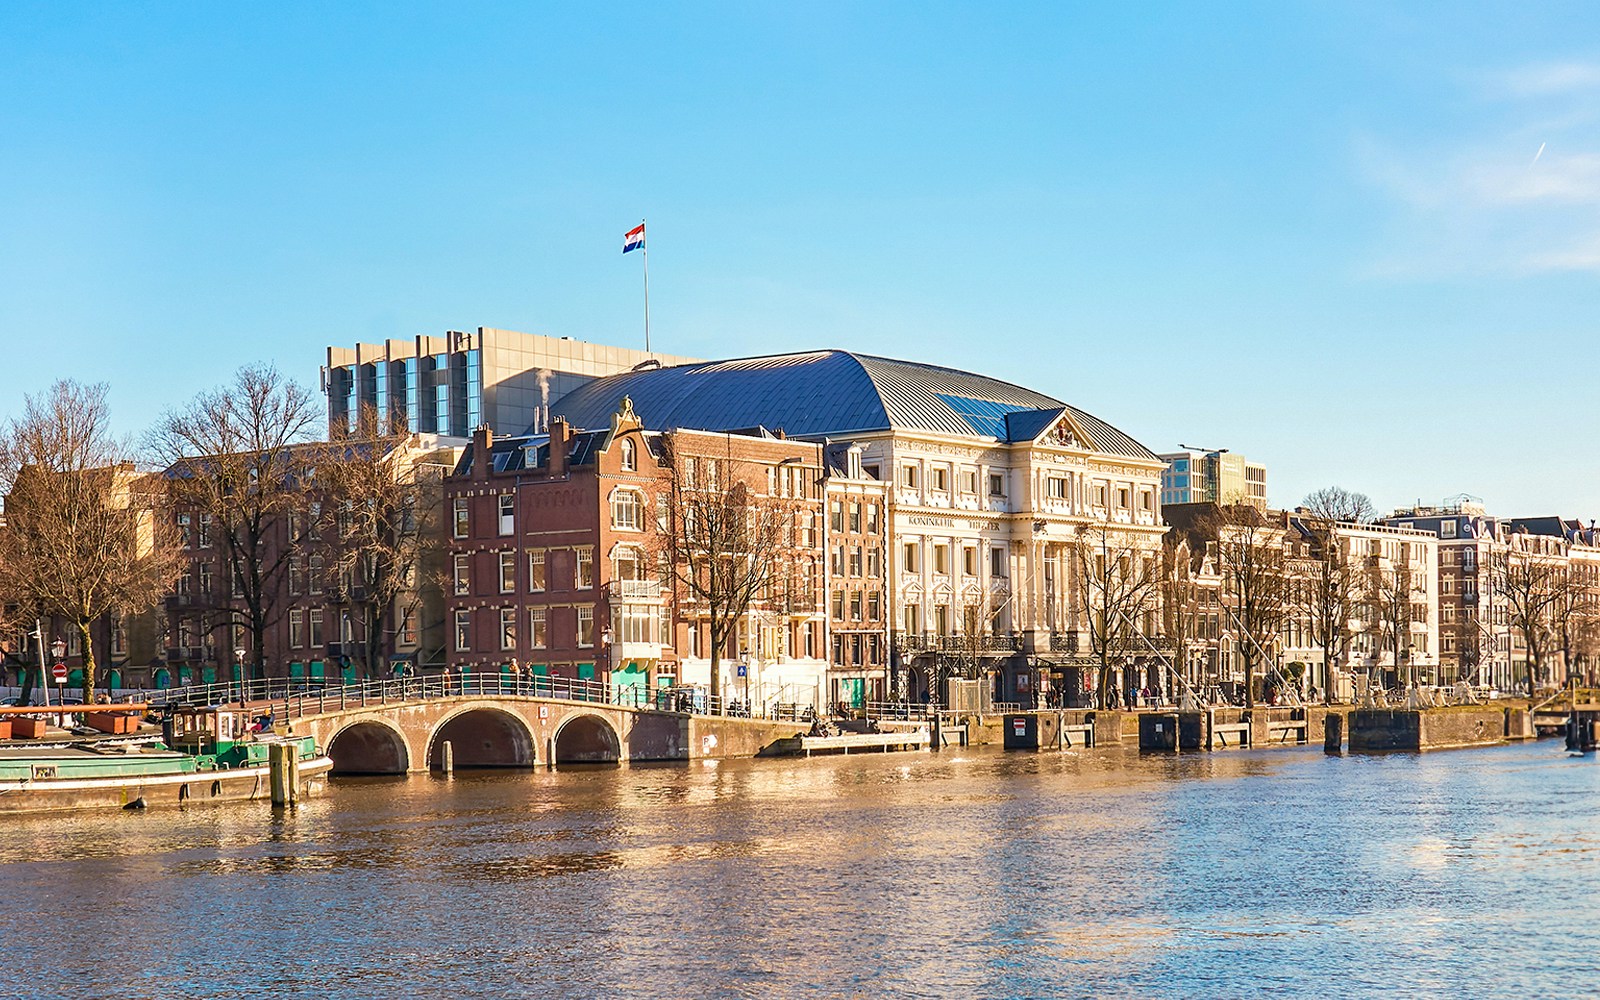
743,670
60,673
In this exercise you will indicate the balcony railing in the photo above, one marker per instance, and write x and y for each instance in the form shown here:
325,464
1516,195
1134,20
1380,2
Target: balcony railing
930,642
636,590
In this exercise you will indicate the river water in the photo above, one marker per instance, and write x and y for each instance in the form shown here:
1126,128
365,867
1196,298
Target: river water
962,873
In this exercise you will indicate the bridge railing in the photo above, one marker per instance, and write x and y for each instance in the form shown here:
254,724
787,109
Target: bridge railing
291,698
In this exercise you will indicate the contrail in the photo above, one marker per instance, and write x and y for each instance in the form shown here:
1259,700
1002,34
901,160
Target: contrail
1538,154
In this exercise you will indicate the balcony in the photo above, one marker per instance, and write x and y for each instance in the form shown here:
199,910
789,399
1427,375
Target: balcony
1003,643
636,590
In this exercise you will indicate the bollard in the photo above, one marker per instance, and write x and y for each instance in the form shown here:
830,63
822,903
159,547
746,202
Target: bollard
447,757
278,773
1333,733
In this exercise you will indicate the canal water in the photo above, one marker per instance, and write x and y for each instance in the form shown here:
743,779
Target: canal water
970,873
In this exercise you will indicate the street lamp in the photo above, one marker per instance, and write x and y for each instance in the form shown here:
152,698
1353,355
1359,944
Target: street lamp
238,671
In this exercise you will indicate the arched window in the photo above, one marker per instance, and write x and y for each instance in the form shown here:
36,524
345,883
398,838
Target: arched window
627,510
628,563
630,459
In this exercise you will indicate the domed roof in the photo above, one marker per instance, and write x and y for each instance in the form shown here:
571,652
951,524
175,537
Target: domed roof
829,394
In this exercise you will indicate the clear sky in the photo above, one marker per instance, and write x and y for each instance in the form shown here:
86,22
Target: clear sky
1357,242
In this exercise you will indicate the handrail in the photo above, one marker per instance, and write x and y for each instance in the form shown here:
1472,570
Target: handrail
296,698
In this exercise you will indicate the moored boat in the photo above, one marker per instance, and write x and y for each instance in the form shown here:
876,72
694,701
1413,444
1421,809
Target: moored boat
198,755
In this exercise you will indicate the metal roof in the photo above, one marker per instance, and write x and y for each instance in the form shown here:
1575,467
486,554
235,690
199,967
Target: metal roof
829,394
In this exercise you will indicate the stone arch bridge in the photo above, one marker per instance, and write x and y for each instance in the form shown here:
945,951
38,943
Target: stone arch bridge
398,727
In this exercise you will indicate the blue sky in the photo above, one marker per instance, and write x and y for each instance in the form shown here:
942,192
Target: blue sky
1357,242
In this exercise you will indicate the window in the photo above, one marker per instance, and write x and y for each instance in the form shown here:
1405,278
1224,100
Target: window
297,577
939,476
1099,494
538,630
855,607
297,628
315,618
627,510
316,574
1056,488
855,517
855,561
838,605
910,614
908,476
908,560
508,513
627,563
872,519
535,570
874,606
205,531
874,560
205,579
183,530
508,572
461,517
997,561
629,455
1447,529
508,628
462,574
1124,498
941,559
836,515
969,481
969,560
663,514
1147,500
408,627
463,630
583,577
586,625
997,484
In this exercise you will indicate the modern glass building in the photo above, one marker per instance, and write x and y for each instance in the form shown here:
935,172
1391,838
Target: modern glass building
452,384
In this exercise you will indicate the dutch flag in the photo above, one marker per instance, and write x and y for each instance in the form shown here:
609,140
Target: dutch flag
633,239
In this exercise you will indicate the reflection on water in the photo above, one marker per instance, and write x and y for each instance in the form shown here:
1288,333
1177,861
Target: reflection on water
972,873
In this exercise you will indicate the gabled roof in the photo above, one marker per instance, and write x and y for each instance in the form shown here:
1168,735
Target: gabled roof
830,394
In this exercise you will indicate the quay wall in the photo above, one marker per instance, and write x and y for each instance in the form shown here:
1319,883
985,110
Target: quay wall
1377,730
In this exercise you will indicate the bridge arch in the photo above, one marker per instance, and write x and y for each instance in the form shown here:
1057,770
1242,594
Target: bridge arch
586,739
483,736
369,746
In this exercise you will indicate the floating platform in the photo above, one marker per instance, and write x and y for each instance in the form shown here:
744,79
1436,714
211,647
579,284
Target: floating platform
907,739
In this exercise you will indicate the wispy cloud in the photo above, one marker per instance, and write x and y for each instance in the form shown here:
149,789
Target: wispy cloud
1520,196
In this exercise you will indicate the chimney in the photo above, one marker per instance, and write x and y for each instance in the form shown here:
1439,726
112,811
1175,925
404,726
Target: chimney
482,444
560,444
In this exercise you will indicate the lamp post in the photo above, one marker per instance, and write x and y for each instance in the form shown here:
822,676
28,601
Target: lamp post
238,671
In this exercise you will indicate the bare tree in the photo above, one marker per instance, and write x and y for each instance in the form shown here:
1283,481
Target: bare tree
1574,616
1257,587
236,457
1330,599
81,540
385,497
1530,584
722,537
1118,588
1387,596
1183,602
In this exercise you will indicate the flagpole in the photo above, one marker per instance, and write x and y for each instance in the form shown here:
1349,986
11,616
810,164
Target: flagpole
646,251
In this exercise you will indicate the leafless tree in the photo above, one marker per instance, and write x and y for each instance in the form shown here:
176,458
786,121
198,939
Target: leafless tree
1387,595
237,457
1183,601
81,540
723,537
1118,583
1257,587
1530,584
1330,599
1575,616
385,498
